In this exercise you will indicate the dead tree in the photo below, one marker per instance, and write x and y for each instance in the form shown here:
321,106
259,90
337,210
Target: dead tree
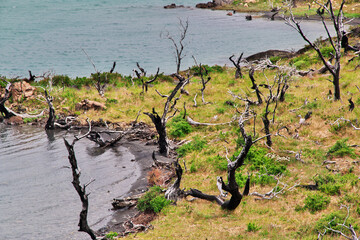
100,84
160,122
179,46
174,191
142,74
50,124
231,187
4,111
351,105
238,73
113,67
203,81
31,77
81,190
254,86
281,93
337,20
266,122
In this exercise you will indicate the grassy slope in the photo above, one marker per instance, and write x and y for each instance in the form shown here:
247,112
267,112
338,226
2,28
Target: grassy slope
277,218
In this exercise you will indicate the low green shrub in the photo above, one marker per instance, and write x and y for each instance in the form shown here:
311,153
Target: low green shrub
111,235
275,59
193,168
153,200
179,127
164,78
252,227
341,149
197,144
327,51
330,188
302,64
258,162
316,202
210,69
61,81
218,162
333,220
82,81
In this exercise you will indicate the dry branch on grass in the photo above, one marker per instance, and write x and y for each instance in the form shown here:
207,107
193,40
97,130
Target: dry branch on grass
273,193
344,120
349,227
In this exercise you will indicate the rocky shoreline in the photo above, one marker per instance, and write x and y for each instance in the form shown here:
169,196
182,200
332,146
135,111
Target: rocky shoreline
225,5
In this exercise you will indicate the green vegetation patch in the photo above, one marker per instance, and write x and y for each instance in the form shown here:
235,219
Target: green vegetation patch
179,127
257,161
316,202
153,200
197,144
341,149
252,227
333,220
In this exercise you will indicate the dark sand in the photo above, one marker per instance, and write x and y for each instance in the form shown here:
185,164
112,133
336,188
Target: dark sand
143,156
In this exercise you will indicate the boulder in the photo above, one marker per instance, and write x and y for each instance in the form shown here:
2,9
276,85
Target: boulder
22,89
173,5
206,5
214,3
248,17
88,104
222,2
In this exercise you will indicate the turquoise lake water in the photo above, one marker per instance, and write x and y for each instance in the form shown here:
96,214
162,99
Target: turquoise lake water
43,35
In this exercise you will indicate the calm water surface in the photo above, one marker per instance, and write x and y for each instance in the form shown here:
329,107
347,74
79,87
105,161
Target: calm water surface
37,199
43,35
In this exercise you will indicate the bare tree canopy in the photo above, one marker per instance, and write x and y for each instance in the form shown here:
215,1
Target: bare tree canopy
337,21
178,45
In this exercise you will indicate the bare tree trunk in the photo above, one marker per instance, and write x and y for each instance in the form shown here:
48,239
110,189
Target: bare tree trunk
81,190
174,191
232,186
7,95
254,86
238,73
160,122
266,122
50,124
161,130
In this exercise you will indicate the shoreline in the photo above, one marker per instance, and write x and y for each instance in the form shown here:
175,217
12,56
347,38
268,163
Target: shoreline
142,153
